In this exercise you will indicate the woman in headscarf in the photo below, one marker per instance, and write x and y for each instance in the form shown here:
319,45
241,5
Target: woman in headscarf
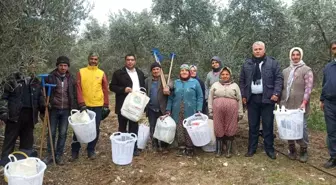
226,108
298,84
185,100
213,75
193,74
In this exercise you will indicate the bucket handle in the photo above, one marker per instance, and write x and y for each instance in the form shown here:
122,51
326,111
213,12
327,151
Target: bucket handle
134,136
73,111
116,134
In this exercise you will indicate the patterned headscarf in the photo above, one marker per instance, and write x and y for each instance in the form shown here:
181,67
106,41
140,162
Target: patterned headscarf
185,66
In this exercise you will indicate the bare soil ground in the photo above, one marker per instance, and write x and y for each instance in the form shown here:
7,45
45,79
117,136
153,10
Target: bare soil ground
204,168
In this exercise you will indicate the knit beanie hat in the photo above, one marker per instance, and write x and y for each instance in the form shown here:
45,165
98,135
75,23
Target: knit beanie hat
63,60
155,64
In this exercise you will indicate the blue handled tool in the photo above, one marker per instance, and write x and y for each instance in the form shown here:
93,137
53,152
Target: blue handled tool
158,58
46,120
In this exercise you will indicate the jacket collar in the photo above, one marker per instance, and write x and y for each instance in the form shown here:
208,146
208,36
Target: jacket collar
92,67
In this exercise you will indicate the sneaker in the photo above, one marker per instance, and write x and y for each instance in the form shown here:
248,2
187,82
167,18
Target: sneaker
74,156
92,156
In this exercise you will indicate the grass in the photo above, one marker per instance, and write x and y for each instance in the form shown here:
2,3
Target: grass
316,116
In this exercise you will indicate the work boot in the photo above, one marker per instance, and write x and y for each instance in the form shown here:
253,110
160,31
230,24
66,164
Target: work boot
92,155
74,156
303,154
229,147
331,163
292,152
219,147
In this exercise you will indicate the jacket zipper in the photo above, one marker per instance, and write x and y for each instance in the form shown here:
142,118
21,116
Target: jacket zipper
62,93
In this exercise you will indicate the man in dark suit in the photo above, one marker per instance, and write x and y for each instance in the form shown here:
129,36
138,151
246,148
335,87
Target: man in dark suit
125,80
260,85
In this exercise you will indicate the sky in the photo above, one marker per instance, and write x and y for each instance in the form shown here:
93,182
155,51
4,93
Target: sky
103,8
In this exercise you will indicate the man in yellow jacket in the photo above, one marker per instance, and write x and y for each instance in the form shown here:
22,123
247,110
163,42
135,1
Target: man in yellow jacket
92,94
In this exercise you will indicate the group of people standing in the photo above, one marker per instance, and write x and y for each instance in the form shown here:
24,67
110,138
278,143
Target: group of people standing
261,84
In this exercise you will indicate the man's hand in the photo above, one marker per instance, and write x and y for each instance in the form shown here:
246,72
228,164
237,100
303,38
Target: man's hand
166,91
274,98
244,100
322,105
303,106
128,90
83,108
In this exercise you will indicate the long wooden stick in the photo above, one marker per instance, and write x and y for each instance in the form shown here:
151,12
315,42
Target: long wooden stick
170,68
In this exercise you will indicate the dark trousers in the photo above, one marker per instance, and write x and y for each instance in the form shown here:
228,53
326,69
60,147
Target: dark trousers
133,127
330,119
58,121
257,109
152,118
75,146
23,128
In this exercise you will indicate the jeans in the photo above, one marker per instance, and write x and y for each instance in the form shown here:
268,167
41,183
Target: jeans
330,119
75,146
257,109
58,121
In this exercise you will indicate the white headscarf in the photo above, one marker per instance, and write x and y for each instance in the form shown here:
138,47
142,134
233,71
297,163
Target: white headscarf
293,67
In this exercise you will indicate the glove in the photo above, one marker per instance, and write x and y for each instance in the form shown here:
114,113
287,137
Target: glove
83,108
105,112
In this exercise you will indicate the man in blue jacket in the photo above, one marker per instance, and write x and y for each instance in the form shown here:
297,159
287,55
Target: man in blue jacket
328,105
260,84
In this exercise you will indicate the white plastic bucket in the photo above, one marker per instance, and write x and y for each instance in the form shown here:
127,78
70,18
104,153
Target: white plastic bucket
165,129
143,136
36,179
198,129
289,123
122,147
85,132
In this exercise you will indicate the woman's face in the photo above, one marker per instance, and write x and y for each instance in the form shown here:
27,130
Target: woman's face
225,75
193,72
184,73
296,56
215,64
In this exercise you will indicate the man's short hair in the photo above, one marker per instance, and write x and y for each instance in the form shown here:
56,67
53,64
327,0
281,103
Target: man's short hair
258,43
130,55
93,54
332,43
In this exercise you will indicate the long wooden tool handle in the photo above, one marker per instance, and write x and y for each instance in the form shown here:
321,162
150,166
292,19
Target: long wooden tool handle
170,69
50,136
